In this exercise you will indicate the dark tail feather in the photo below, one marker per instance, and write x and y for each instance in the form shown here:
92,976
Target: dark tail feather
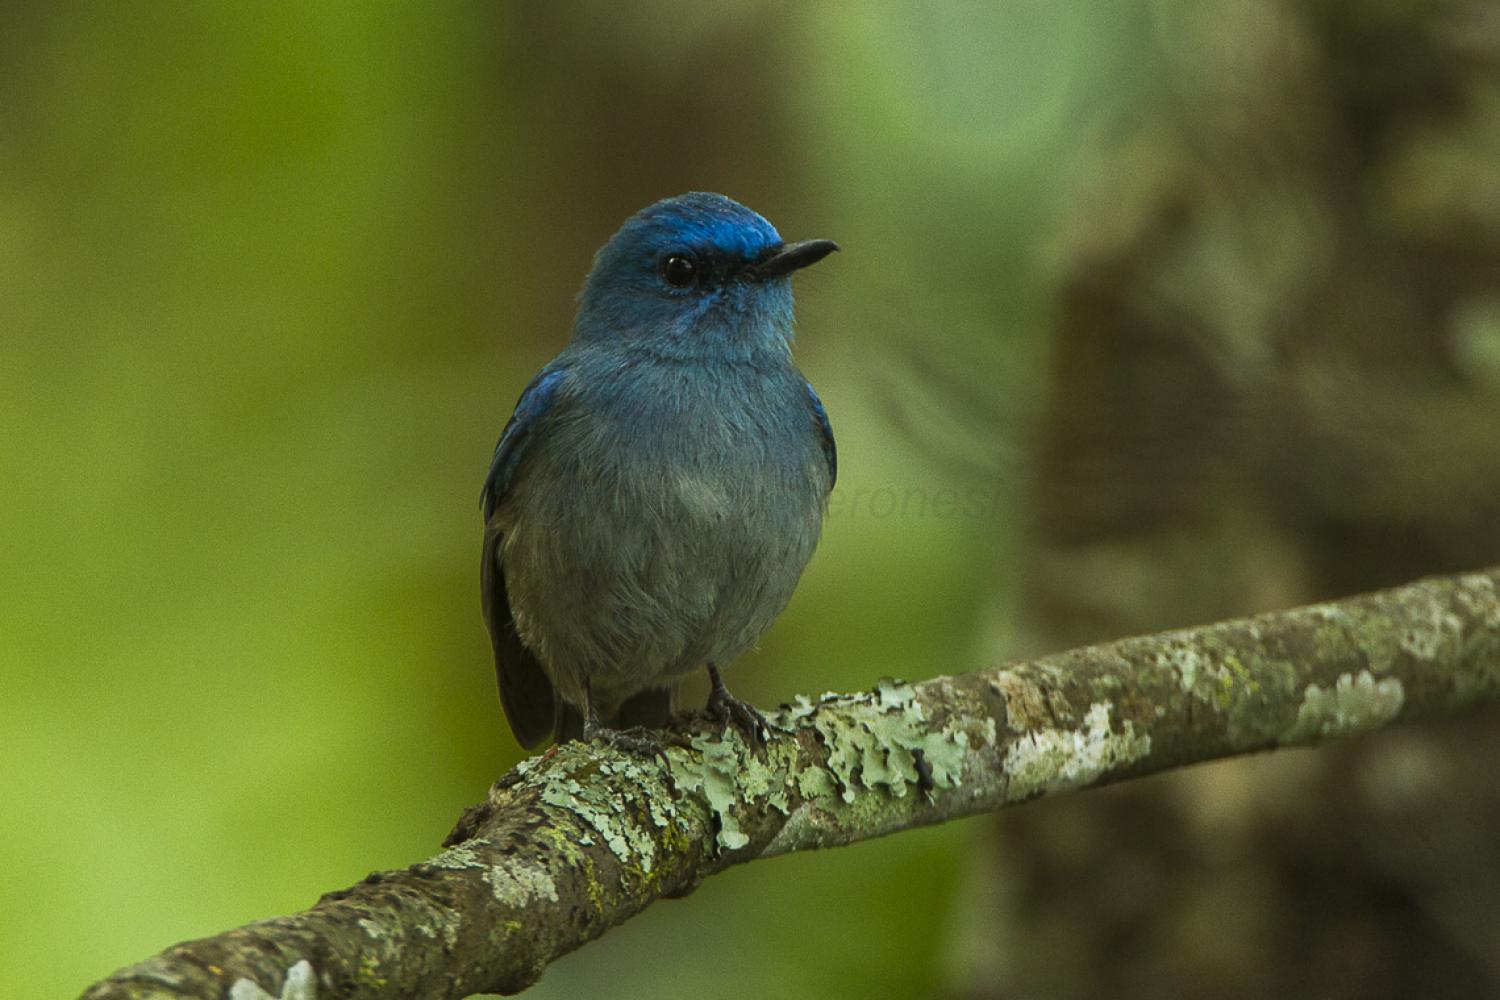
525,692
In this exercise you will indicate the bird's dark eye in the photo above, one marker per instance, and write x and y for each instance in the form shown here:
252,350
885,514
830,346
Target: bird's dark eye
679,270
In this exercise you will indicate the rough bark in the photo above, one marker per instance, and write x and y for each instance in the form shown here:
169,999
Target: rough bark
577,840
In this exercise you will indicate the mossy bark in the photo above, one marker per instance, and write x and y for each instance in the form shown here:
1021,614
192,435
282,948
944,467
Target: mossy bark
577,840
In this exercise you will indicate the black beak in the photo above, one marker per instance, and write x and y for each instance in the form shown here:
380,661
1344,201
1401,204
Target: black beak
792,257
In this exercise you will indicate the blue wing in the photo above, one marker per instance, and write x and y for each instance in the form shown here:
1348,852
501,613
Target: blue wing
535,399
525,692
825,434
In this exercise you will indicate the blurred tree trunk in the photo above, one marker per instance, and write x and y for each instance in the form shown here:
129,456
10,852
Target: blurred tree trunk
1276,379
701,106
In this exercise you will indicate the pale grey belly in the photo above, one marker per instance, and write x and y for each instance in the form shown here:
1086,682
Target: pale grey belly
634,579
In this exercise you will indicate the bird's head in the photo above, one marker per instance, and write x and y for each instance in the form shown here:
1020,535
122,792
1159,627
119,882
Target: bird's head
695,276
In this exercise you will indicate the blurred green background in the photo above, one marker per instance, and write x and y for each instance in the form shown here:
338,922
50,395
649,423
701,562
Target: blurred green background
272,276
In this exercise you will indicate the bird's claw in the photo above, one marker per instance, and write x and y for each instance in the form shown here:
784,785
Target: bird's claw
637,742
742,715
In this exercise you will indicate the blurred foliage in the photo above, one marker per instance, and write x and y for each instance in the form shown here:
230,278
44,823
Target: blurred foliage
273,277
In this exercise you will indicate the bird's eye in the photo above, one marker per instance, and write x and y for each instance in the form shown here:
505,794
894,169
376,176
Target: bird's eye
679,270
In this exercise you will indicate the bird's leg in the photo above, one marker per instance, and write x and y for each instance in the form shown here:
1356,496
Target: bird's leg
727,708
642,745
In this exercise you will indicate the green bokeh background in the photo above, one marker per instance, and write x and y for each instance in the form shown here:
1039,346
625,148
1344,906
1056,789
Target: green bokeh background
271,277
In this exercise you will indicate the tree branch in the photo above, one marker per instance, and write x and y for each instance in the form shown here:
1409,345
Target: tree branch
579,839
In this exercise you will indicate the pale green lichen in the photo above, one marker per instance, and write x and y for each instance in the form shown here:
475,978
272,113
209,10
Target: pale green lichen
1347,632
1050,760
1377,637
1354,704
662,810
1433,632
724,771
458,858
880,748
1476,593
444,925
1235,678
874,741
815,782
713,773
596,804
516,884
299,984
568,783
1180,654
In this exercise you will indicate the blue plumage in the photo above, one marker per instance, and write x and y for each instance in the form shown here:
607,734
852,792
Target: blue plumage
534,400
662,483
825,435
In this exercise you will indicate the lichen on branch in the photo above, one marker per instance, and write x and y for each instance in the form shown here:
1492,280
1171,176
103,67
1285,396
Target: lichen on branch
582,837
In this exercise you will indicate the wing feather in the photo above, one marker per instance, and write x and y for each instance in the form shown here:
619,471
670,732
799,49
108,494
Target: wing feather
525,692
825,434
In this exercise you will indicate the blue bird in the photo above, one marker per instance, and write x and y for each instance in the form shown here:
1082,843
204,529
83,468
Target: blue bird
662,483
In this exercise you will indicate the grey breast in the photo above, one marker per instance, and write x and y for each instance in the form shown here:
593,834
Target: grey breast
663,532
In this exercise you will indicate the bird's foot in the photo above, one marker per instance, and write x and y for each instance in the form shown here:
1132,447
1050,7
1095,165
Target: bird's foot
637,741
741,714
